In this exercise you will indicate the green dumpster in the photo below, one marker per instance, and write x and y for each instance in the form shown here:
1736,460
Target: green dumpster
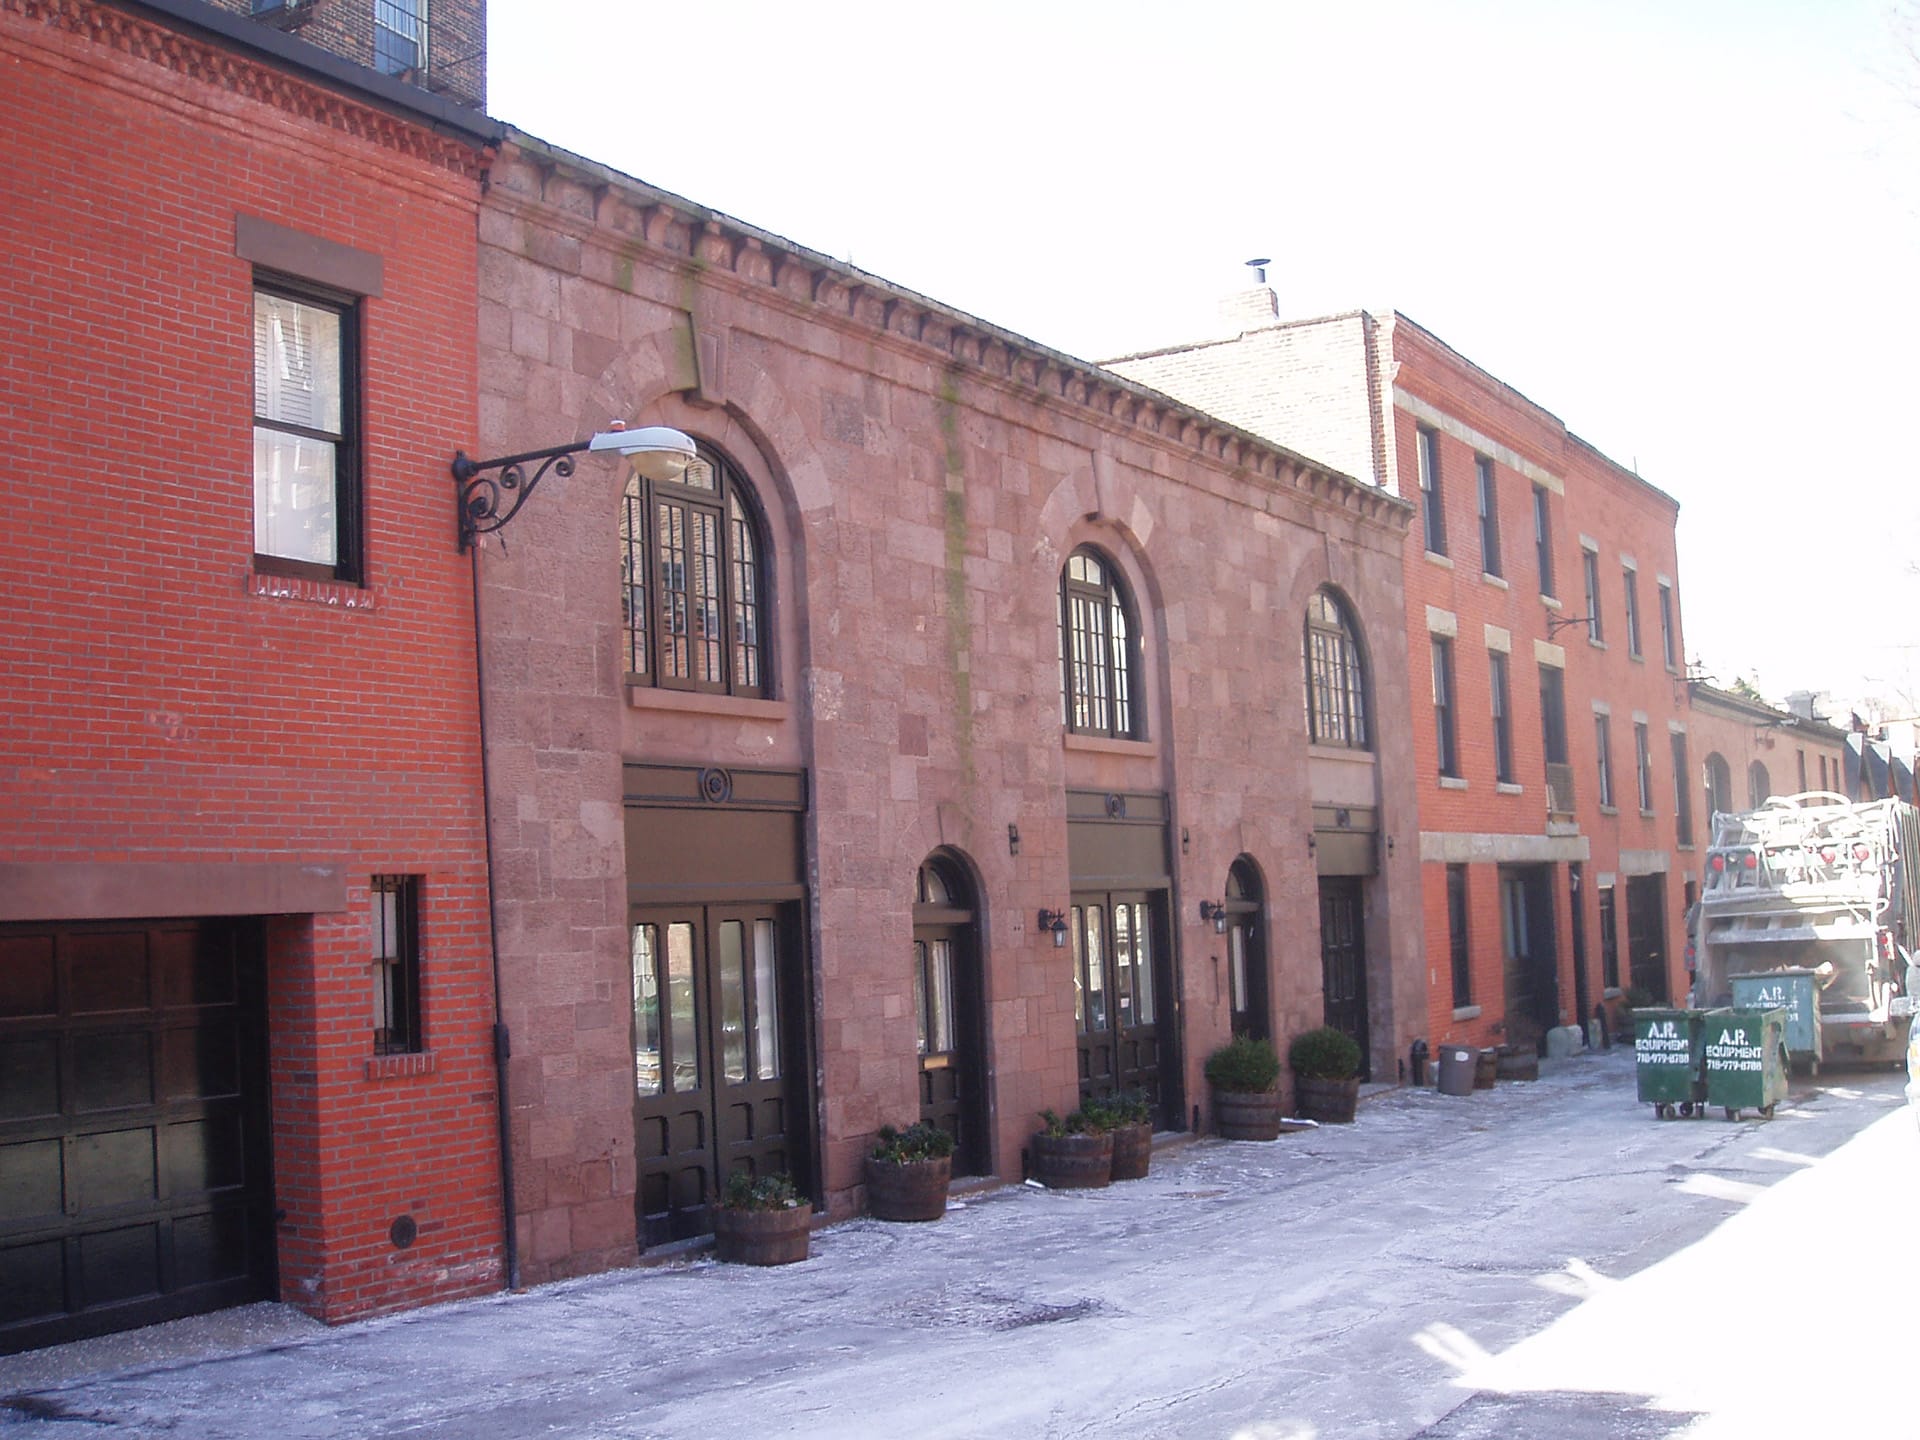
1666,1060
1746,1059
1795,991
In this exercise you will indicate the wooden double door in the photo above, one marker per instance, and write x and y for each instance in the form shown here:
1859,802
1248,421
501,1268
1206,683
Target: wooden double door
1343,961
1123,986
720,1057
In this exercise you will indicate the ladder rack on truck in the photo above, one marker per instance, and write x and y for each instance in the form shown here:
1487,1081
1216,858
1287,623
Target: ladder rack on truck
1818,882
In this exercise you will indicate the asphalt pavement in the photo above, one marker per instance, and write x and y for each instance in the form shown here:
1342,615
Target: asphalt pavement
1545,1257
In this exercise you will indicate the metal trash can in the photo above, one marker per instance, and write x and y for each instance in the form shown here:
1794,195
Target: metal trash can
1666,1060
1746,1060
1795,991
1457,1064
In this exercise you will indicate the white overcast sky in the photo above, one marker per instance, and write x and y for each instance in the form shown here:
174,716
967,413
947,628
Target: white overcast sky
1689,228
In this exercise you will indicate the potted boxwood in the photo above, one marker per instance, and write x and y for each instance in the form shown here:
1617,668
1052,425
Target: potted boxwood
761,1221
908,1171
1326,1075
1245,1076
1072,1154
1127,1115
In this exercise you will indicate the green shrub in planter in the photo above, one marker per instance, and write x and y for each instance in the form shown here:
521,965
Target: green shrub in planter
922,1140
761,1221
1244,1066
1324,1054
1128,1116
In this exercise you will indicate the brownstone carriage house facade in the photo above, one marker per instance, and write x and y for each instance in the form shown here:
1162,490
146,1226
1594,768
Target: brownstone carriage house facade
947,643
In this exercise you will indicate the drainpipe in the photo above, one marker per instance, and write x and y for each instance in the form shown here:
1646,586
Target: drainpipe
502,1042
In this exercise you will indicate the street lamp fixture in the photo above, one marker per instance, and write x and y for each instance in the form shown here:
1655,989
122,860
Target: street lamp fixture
655,452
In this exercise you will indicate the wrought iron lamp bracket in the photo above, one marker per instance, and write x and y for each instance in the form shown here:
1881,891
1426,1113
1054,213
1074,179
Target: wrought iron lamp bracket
488,501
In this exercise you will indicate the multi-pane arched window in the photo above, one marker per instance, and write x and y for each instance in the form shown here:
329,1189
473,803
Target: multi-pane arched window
1336,679
691,584
1719,786
1098,653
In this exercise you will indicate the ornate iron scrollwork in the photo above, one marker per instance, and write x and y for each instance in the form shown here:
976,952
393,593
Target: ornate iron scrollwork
482,495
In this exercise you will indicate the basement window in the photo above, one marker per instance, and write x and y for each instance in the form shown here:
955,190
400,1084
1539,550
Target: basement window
396,964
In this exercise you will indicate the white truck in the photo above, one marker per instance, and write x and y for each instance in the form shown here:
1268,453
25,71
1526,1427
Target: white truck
1815,882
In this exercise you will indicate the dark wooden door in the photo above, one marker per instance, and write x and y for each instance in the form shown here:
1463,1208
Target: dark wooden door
1343,961
1121,985
134,1154
1646,935
1531,956
719,1058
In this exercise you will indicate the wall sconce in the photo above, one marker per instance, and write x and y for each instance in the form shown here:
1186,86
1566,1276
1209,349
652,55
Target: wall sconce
1186,840
1013,839
1313,843
1217,913
654,451
1055,921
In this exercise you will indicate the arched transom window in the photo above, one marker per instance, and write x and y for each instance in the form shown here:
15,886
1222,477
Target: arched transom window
691,581
1097,649
1336,681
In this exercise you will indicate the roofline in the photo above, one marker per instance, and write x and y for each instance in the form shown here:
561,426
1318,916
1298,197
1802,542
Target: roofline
289,52
1235,339
959,319
1761,710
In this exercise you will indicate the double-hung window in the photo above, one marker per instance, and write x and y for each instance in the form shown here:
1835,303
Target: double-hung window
1643,764
1443,716
1543,539
1590,572
1461,952
1682,792
305,433
396,965
1502,718
1669,651
399,36
1630,583
1432,506
1489,497
1603,746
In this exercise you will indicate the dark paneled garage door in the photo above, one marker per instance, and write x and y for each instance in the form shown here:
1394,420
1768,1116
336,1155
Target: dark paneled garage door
134,1179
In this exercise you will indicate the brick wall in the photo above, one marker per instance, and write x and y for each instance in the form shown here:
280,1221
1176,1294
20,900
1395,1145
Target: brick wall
159,708
456,36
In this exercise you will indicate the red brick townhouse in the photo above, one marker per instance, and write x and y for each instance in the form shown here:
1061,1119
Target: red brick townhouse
935,747
246,1001
1750,750
1548,709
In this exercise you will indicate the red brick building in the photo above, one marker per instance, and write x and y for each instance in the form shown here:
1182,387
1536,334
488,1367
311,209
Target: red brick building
1549,719
1750,750
879,770
246,1003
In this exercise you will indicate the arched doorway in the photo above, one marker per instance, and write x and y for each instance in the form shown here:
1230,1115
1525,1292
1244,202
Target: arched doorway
1250,1009
949,1011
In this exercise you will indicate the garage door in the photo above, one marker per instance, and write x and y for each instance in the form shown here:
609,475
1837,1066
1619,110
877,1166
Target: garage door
134,1181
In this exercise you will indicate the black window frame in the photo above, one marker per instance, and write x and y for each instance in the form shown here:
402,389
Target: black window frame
1432,497
1502,701
1553,714
1488,498
1115,712
396,976
739,567
1718,775
387,34
1459,947
1590,575
1543,539
1336,674
1445,690
349,565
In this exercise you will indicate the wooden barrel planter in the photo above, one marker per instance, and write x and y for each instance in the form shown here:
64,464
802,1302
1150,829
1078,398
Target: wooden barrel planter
1486,1069
1132,1152
1331,1102
762,1237
908,1190
1247,1115
1072,1162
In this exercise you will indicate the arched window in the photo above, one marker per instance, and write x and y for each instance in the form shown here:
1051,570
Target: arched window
692,591
1759,786
1098,654
1336,680
1719,786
